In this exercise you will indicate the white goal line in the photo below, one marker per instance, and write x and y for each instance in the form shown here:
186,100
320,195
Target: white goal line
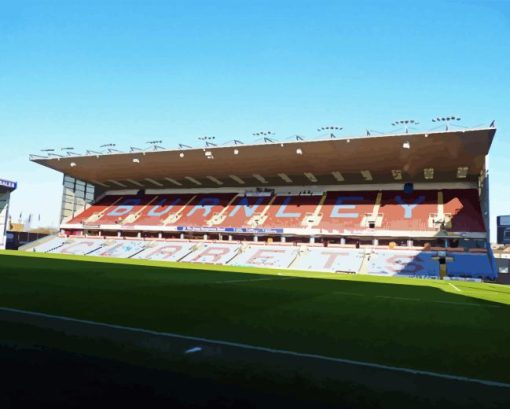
261,349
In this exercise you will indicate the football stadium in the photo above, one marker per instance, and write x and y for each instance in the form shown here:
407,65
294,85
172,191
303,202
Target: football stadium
413,205
301,271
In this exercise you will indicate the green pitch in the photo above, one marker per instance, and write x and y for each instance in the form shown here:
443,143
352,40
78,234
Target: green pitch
459,329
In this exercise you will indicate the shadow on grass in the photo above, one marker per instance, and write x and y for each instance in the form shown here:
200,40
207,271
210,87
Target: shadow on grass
401,322
397,288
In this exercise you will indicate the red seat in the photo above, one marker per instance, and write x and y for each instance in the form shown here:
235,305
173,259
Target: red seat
410,212
162,206
345,210
342,212
289,211
203,208
242,210
464,206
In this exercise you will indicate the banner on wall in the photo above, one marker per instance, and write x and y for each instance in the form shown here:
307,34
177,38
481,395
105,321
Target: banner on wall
230,230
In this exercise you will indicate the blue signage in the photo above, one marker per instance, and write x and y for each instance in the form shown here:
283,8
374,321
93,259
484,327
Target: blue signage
8,184
229,229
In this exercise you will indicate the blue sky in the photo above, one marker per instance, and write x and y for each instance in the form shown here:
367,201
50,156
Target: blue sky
84,73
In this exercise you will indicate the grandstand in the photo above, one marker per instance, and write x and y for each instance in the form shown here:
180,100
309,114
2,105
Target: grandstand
6,187
410,204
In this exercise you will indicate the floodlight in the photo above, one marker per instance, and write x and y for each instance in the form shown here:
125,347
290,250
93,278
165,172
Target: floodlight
330,129
207,140
406,123
446,120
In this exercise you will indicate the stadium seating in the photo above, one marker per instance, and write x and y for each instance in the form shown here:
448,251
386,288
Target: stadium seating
378,261
330,259
50,245
97,208
289,211
470,265
213,253
266,256
401,211
333,212
242,210
345,210
203,208
408,263
120,248
464,207
168,251
156,208
80,246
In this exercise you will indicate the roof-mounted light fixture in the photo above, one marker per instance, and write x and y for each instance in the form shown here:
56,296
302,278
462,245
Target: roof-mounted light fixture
311,177
156,145
462,172
48,151
338,176
367,175
406,122
265,136
51,152
233,142
110,147
260,178
330,130
69,151
207,140
397,174
446,120
215,180
428,173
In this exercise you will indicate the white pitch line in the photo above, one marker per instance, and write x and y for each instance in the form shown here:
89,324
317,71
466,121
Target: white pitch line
264,349
351,294
398,298
254,279
468,304
193,350
455,287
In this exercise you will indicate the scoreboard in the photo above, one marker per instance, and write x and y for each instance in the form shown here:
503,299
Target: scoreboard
503,226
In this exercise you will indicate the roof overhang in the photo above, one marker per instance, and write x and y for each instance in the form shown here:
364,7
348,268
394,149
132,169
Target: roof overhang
350,160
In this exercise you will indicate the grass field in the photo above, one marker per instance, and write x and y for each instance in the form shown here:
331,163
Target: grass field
457,328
